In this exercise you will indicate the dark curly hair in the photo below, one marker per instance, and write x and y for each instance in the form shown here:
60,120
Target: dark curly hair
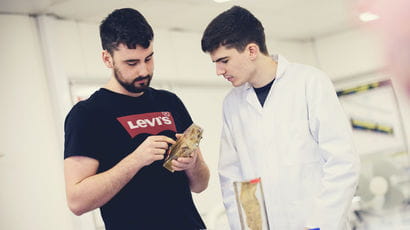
125,26
234,28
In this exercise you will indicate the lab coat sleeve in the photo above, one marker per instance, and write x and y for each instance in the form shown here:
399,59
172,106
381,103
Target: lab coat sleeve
332,132
228,168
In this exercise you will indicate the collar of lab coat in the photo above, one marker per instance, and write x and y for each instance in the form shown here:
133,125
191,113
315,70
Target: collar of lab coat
247,89
281,68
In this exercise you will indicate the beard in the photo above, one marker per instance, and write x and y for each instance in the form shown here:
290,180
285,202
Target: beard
133,87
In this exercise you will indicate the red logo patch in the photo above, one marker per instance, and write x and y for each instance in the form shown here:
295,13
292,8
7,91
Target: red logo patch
152,123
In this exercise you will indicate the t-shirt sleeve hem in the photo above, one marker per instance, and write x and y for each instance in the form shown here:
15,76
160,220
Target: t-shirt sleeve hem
67,155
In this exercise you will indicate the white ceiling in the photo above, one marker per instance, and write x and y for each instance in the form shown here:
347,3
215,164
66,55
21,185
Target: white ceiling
282,19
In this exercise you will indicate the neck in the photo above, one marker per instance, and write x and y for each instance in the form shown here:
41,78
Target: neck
114,86
265,71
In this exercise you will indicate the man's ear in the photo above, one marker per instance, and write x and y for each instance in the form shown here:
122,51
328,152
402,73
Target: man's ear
253,50
107,59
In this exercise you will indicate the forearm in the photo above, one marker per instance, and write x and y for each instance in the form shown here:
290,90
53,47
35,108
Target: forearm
95,191
198,175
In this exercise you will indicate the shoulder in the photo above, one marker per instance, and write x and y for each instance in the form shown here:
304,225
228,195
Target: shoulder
81,107
85,109
314,82
165,97
79,113
293,71
97,99
233,94
233,98
162,94
307,72
306,76
316,78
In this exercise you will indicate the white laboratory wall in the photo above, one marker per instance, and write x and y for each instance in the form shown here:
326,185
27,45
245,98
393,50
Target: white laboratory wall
301,52
91,52
31,174
349,54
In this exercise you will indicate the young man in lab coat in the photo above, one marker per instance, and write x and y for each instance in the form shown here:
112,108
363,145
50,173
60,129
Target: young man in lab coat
283,123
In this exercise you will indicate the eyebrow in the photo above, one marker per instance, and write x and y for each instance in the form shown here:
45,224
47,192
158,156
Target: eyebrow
136,60
220,59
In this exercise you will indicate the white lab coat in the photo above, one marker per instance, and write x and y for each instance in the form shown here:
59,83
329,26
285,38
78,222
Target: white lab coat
299,143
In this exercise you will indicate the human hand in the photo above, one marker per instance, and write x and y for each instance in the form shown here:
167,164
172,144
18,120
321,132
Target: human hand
183,163
152,149
185,146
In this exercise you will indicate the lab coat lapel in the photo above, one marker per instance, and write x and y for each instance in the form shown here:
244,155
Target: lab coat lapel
269,119
252,99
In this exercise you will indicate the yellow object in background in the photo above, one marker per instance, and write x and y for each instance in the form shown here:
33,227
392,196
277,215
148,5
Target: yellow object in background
371,126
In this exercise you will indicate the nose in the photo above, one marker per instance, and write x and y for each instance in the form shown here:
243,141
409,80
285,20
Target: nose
144,69
219,69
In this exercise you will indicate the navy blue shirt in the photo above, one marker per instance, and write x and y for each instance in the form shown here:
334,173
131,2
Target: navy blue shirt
263,92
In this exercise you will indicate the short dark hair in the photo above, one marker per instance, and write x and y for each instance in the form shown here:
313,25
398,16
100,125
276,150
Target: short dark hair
125,26
234,28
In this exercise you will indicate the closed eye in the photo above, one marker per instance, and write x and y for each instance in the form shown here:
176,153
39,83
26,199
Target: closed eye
222,59
132,63
149,58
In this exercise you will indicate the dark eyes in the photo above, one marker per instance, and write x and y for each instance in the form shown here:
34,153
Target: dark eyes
225,61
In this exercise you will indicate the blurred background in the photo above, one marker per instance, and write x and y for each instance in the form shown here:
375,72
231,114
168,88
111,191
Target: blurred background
51,58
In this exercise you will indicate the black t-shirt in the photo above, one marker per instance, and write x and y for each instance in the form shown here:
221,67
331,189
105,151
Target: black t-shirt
107,127
263,92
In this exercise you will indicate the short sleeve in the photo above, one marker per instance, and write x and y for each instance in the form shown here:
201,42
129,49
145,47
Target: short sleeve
182,115
81,133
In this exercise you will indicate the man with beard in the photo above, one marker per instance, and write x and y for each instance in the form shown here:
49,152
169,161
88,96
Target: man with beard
116,140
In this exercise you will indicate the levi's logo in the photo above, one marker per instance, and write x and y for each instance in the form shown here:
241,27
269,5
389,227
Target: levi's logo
152,123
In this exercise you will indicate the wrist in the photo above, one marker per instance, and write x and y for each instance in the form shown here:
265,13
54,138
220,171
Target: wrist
136,160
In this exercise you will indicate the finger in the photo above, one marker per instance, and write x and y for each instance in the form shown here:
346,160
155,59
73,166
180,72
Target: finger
167,140
177,168
159,151
178,135
178,164
184,160
160,145
158,157
162,138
